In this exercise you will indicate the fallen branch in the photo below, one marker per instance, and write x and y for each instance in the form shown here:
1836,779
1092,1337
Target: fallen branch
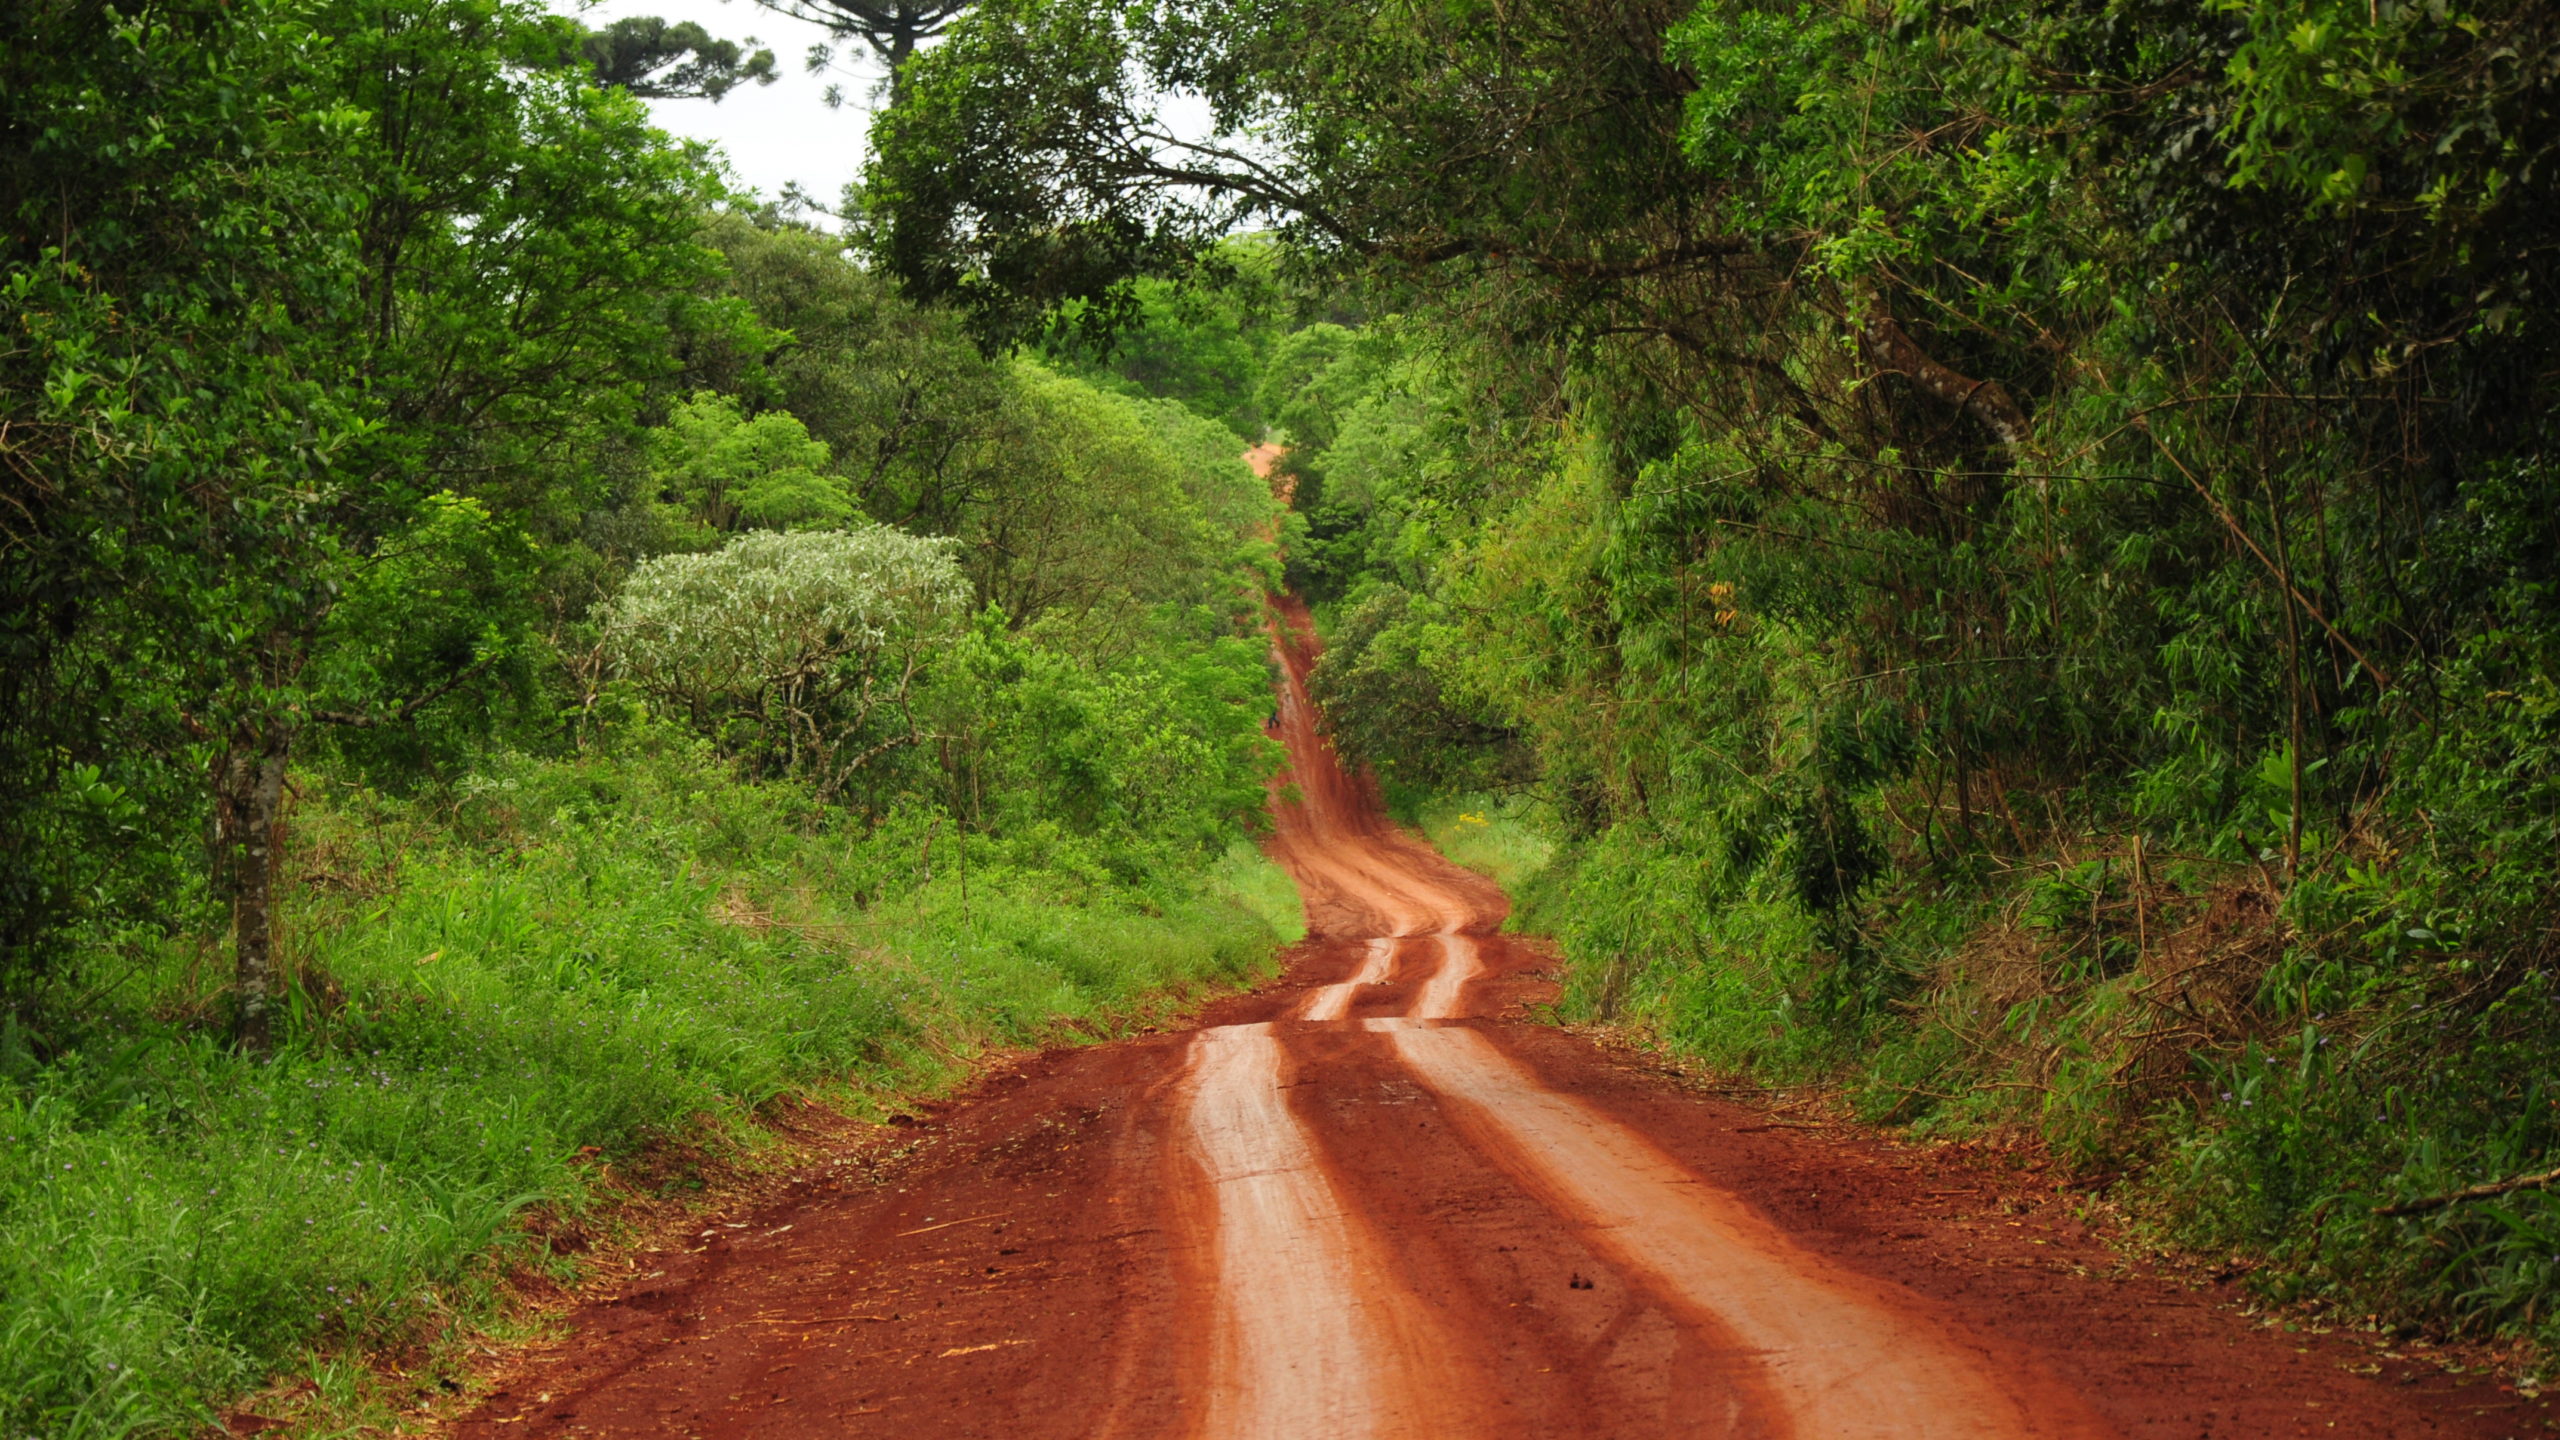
2489,1191
947,1224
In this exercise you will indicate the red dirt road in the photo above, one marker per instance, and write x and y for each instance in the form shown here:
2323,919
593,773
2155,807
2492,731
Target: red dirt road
1365,1201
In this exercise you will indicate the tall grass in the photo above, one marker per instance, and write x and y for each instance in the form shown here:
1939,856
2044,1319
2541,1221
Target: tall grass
2181,1039
572,960
1506,839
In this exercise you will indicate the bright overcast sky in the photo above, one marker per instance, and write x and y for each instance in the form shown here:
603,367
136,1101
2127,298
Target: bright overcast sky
773,134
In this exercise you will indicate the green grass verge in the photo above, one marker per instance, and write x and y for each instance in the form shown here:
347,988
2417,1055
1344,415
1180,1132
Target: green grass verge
1995,1006
578,959
1263,888
1505,839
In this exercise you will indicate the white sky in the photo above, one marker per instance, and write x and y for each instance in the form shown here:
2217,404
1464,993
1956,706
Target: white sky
773,134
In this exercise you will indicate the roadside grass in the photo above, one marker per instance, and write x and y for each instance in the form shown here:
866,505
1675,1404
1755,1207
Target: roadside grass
576,960
1263,888
1503,838
2174,1047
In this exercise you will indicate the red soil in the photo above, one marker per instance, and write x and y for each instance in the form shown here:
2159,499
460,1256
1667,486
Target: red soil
1371,1200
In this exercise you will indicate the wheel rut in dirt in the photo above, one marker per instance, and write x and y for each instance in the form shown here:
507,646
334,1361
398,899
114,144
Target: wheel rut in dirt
1367,1201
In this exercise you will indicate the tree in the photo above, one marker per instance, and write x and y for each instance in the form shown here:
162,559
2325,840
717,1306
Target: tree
1096,520
310,277
1204,344
170,233
916,419
892,28
514,234
729,471
1030,175
658,60
1068,501
800,652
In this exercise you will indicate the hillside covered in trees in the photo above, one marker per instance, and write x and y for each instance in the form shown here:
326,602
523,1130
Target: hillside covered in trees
2000,558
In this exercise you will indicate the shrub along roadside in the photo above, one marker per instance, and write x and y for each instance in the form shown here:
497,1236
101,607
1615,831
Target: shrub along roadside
2168,1038
597,952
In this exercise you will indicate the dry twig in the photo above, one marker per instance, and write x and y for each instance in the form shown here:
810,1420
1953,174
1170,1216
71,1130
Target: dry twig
2489,1191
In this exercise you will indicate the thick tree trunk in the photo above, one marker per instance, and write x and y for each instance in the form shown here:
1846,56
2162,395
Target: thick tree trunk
248,793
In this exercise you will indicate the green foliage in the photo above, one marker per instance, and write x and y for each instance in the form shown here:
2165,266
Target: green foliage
307,273
1202,343
656,60
797,651
917,421
2014,540
372,516
1503,838
1075,503
450,596
144,201
727,471
1105,521
1161,757
1312,377
1026,176
973,186
599,953
557,600
1380,686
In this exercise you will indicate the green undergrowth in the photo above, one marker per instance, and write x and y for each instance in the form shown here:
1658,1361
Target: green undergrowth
2244,1074
567,962
1503,838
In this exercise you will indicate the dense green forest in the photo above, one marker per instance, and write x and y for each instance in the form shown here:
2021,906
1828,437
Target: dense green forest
511,653
2006,552
2000,557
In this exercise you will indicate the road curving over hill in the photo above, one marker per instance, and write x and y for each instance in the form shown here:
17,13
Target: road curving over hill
1804,1347
1372,1200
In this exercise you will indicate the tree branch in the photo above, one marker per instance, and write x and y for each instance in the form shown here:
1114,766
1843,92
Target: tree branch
2232,523
402,715
1986,400
2538,1181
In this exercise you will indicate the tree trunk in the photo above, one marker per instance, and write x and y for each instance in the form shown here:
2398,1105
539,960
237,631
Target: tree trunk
248,793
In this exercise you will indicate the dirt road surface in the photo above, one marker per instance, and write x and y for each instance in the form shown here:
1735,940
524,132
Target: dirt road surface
1372,1200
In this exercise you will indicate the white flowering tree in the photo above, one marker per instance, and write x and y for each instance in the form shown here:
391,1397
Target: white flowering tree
798,650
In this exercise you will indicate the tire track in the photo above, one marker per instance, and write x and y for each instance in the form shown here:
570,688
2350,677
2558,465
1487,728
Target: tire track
1444,995
1333,1002
1838,1365
1304,1345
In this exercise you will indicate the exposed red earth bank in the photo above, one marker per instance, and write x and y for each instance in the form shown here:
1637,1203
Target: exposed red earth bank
1371,1199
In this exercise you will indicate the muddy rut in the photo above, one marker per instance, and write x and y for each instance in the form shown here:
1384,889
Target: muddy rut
1370,1200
